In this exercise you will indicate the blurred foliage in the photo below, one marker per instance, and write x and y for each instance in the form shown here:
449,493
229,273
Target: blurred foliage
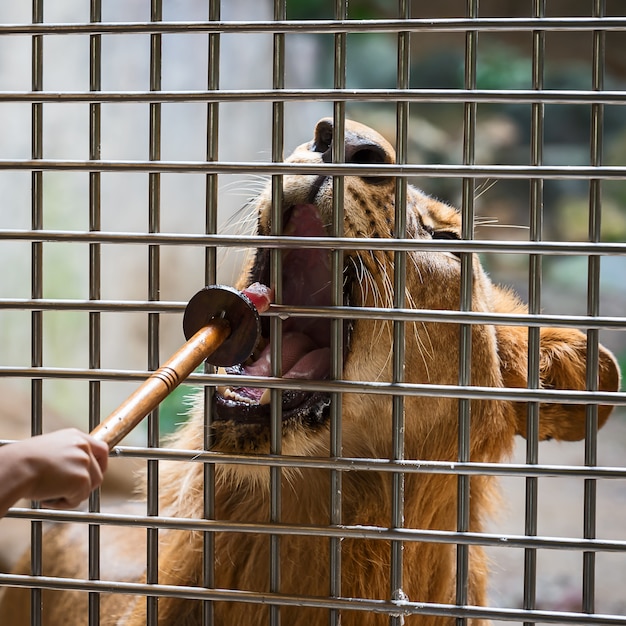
503,130
325,9
173,410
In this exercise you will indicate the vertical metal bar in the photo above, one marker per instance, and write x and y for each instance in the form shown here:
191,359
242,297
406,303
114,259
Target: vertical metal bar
95,84
399,327
593,309
465,330
208,575
154,219
534,308
213,83
336,325
278,128
36,292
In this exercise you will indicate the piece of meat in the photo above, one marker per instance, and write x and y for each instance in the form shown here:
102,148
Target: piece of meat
260,295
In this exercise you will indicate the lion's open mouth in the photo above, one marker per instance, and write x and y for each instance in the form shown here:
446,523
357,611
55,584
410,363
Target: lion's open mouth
306,281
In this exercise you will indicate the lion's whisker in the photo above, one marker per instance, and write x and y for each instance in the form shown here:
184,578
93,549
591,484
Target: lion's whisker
516,226
483,188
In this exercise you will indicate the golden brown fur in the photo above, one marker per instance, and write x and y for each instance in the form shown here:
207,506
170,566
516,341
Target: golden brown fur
499,359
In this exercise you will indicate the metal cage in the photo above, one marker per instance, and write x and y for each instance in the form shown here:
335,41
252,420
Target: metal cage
95,128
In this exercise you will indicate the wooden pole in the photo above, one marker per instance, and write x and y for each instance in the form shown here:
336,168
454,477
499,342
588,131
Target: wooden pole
160,384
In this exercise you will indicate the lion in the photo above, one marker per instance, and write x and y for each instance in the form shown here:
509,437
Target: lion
241,424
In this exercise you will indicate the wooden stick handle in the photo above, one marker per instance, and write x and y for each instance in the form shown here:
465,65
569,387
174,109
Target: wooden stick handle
160,384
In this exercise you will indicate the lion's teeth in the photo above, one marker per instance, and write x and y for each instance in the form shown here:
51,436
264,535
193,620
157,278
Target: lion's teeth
265,398
233,395
222,389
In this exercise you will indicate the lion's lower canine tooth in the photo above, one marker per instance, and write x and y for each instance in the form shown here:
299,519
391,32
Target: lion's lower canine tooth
265,398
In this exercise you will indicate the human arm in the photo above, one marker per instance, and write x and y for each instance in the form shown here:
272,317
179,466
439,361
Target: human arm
61,468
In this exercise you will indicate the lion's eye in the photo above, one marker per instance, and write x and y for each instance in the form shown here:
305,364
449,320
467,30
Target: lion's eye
447,234
444,234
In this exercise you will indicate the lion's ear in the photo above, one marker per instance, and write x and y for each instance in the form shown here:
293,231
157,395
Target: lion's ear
562,365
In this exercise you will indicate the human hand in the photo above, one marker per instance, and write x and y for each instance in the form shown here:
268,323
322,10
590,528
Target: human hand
60,468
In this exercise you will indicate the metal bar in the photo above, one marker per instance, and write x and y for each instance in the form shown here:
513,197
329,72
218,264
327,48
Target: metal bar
565,172
351,604
95,84
421,25
368,464
502,96
276,336
593,309
345,243
534,307
399,301
337,339
341,312
504,541
154,219
36,541
465,304
514,394
212,154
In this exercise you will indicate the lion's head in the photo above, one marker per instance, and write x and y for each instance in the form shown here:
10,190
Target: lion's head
498,354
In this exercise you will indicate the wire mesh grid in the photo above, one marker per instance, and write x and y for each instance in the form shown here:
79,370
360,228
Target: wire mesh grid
91,165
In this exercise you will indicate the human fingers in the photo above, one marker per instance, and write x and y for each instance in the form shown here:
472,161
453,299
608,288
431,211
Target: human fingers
61,503
92,452
100,451
95,472
75,470
97,456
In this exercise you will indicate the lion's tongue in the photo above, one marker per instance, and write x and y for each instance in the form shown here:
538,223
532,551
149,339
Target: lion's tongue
300,359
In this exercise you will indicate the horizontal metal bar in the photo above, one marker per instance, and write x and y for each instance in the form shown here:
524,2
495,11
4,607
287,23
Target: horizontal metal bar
338,386
93,306
503,96
446,317
395,607
483,24
563,248
377,464
339,531
552,172
339,312
364,464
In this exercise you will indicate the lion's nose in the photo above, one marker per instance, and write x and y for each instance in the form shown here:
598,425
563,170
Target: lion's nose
359,148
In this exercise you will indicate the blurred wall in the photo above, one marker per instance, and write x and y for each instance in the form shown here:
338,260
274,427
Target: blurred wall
244,135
